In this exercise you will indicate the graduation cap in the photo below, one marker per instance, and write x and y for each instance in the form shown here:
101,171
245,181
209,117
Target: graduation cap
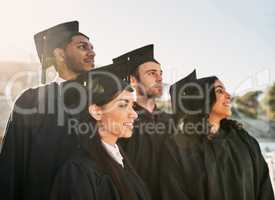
55,37
192,96
120,70
100,86
175,89
137,57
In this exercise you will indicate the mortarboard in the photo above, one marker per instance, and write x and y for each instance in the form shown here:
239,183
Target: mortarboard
137,57
55,37
100,85
121,70
192,96
175,89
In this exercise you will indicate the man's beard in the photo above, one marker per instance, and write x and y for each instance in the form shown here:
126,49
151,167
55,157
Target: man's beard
72,65
149,94
75,66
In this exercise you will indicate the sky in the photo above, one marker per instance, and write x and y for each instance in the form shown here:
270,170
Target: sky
231,39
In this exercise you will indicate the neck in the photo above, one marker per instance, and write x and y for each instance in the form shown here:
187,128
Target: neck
148,103
108,138
214,121
65,73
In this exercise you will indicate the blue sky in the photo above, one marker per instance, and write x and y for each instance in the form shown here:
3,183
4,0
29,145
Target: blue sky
231,39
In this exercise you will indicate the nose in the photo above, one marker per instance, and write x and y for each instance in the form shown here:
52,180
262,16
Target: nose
228,96
91,52
159,77
133,114
90,49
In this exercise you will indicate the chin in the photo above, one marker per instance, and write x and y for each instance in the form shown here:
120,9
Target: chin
227,114
156,94
126,134
92,66
159,93
88,67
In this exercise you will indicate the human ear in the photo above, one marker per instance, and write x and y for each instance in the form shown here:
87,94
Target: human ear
96,112
133,81
59,54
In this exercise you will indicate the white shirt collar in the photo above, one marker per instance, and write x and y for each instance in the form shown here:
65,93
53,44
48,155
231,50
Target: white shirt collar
59,80
114,152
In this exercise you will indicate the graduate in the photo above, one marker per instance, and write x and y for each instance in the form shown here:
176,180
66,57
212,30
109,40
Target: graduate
98,169
152,126
36,140
210,157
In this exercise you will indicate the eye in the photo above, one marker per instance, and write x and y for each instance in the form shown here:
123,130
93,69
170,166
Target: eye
219,91
82,47
122,105
151,73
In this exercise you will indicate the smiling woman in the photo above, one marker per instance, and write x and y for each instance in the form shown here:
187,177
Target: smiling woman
99,169
211,157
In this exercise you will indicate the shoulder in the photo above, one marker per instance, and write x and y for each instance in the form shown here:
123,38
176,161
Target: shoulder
75,179
31,95
81,170
80,162
184,142
181,150
78,171
167,117
165,114
26,96
240,131
231,124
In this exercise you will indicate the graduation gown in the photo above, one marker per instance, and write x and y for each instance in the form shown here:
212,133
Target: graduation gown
230,166
80,179
143,148
34,146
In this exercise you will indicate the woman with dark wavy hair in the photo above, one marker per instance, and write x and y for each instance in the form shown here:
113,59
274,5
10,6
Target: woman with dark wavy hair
210,157
99,170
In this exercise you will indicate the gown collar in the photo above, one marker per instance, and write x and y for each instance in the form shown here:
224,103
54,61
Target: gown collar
59,80
114,152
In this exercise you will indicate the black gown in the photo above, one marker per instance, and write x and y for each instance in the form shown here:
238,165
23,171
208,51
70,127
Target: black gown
80,179
229,166
34,146
143,148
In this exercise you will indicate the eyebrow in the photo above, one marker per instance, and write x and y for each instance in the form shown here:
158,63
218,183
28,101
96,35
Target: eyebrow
152,70
125,100
219,86
81,42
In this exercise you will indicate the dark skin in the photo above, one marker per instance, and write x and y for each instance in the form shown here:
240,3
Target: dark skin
76,57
